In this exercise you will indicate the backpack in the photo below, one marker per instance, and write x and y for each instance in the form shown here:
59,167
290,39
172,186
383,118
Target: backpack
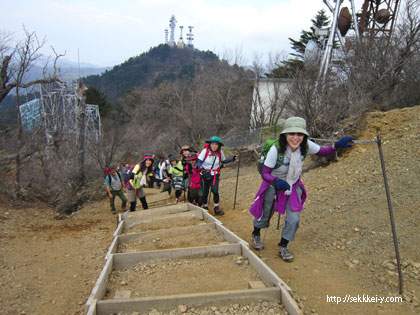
219,155
110,177
280,156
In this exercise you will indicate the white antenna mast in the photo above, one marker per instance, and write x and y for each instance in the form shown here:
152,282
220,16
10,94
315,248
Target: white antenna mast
190,36
172,25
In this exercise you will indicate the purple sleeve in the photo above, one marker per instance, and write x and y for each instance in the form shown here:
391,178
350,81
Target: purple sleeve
325,151
266,175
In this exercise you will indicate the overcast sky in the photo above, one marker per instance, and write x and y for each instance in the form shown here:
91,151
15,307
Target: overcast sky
108,32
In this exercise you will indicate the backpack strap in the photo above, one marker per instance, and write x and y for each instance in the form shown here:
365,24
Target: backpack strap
119,176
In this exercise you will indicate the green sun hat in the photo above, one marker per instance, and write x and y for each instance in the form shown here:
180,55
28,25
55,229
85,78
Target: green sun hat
295,124
215,139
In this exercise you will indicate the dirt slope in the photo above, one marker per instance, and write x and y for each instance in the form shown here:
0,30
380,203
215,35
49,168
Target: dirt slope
343,247
344,244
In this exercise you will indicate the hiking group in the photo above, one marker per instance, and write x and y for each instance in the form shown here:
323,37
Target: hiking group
196,173
280,166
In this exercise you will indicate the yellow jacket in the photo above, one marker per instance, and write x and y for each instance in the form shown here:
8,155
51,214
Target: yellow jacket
135,183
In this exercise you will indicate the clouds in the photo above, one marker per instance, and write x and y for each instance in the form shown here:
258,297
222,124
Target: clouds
109,32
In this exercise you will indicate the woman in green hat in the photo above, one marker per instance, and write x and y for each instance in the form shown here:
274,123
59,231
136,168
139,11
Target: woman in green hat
210,162
282,189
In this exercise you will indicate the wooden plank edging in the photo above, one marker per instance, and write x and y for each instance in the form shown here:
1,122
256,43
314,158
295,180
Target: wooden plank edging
156,211
125,238
188,214
125,260
269,277
165,303
113,248
288,301
98,291
119,229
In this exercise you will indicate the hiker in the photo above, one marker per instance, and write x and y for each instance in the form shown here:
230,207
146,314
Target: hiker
177,177
151,177
185,151
115,187
138,180
158,166
282,189
211,160
195,194
165,176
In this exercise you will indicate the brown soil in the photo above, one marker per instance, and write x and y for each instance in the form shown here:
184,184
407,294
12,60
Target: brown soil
344,246
183,276
194,236
160,225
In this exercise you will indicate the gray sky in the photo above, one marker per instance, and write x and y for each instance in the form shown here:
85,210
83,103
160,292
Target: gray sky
108,32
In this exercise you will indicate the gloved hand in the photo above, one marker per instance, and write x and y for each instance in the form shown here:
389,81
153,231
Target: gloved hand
281,184
344,143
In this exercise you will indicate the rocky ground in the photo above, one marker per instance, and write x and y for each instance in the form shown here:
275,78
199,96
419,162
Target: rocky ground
344,246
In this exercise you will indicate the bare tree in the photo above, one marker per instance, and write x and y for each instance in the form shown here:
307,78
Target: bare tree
15,64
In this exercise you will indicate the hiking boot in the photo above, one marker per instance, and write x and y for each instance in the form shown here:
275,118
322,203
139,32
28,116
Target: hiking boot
217,211
285,254
256,242
206,207
114,211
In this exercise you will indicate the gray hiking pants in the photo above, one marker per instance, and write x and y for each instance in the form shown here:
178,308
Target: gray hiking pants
292,217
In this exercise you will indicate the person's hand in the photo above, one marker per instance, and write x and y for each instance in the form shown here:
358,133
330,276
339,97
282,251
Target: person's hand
136,176
109,195
124,189
344,143
281,184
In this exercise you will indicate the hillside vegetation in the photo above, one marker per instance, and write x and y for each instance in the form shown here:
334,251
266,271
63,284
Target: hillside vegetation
160,64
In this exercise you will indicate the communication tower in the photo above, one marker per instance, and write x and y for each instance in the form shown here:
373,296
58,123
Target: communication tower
378,16
172,25
181,40
190,37
166,35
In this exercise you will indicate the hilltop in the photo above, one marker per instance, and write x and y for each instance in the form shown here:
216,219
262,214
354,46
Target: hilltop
148,70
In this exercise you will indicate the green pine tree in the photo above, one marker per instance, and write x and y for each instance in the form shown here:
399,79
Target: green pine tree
291,65
96,97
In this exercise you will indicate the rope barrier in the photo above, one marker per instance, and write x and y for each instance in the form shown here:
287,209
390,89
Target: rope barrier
374,140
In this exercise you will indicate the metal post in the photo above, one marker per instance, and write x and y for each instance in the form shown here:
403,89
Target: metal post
391,215
328,50
237,177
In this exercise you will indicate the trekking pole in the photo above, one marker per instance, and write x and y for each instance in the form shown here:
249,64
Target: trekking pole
237,177
391,215
265,233
278,222
208,201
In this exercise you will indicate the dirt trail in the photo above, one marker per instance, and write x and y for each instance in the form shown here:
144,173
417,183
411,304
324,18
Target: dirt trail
343,245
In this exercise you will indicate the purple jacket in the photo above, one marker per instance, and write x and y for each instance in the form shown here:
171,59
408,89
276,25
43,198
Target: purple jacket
296,203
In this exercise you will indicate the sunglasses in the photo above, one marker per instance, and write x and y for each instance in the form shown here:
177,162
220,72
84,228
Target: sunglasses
299,134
